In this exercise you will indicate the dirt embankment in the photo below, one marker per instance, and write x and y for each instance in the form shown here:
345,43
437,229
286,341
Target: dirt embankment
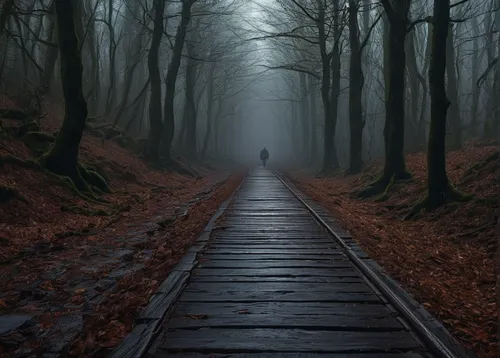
74,272
445,258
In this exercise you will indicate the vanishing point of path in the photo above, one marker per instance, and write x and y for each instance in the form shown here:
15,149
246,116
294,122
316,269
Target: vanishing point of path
272,282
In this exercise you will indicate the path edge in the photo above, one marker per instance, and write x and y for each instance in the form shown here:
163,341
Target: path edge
456,349
147,326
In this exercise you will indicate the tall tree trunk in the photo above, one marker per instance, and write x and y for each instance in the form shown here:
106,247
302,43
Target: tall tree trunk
475,74
304,113
63,157
4,15
112,63
314,120
394,165
356,123
438,184
454,110
51,54
155,110
413,142
210,102
173,70
190,145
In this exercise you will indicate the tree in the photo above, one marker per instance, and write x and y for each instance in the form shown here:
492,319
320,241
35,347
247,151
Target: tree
62,159
173,70
439,188
155,106
395,165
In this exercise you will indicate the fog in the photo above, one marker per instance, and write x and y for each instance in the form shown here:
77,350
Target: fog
244,75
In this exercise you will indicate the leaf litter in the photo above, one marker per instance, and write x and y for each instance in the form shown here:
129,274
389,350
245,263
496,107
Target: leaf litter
84,275
446,258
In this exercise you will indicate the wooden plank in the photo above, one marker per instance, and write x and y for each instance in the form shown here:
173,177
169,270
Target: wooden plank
262,264
165,353
279,272
277,286
278,296
285,251
275,256
315,323
250,246
135,344
288,340
161,302
374,310
317,279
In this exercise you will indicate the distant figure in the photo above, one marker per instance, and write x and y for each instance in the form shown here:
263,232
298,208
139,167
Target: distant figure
264,156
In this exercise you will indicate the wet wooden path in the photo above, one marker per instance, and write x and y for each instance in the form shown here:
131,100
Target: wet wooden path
273,283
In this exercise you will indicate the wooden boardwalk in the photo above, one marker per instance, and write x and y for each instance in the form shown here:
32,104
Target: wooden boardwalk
273,283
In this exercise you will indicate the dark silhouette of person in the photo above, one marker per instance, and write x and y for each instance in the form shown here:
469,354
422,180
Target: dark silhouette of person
264,156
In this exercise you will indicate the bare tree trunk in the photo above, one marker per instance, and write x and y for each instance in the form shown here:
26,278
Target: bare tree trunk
4,16
173,70
356,123
190,106
63,157
475,73
210,100
438,183
112,63
314,120
304,113
454,112
394,166
413,142
51,54
155,110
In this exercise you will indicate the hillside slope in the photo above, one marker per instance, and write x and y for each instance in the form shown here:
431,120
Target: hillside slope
75,271
445,258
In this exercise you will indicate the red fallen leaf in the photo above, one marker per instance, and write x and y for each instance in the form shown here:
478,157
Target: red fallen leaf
243,311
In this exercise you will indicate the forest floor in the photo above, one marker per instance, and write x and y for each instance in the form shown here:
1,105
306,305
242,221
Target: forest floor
445,258
73,273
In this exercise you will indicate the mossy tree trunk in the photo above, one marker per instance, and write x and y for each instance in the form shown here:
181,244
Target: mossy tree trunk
155,110
173,70
63,157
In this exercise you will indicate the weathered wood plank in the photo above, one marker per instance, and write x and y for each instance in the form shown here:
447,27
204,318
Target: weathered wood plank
288,340
263,264
279,272
277,286
256,251
276,256
315,323
374,310
278,296
317,279
165,353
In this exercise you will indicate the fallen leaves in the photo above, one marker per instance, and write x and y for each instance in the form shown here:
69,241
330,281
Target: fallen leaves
57,262
446,258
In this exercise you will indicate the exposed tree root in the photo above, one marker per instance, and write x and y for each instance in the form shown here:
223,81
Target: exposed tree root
385,194
177,167
64,180
429,204
99,212
382,184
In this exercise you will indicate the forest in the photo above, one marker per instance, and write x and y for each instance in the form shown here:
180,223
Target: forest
126,122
